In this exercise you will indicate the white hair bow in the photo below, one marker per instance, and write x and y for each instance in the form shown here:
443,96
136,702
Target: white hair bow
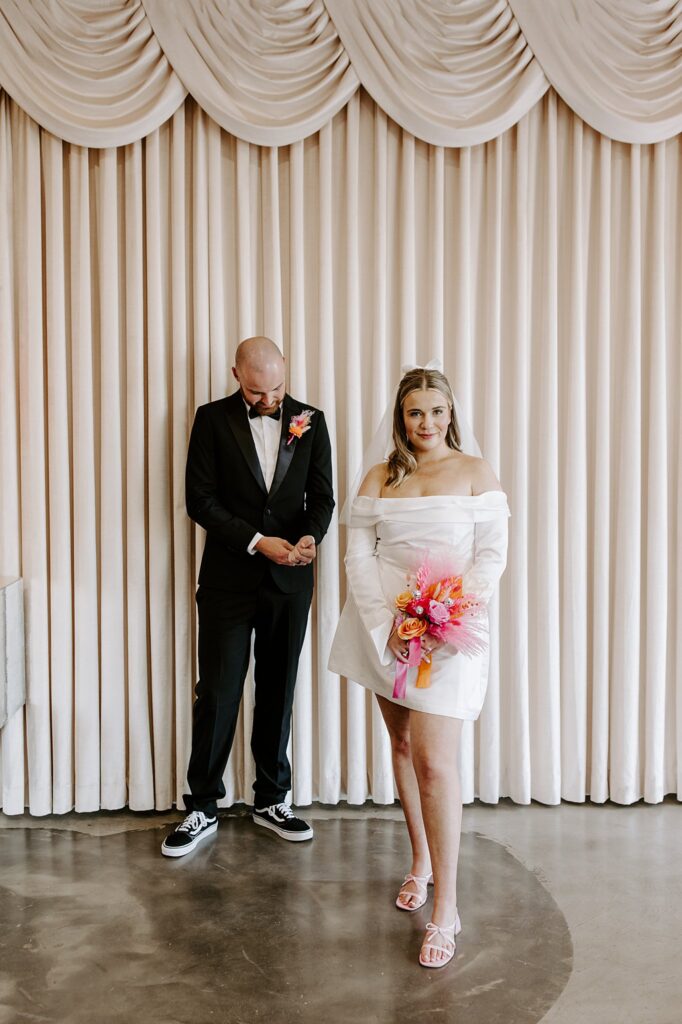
433,364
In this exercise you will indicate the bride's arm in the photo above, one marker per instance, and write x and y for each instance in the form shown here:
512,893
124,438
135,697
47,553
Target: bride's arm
362,571
364,581
490,540
490,558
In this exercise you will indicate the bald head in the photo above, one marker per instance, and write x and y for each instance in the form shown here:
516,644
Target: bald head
259,369
257,354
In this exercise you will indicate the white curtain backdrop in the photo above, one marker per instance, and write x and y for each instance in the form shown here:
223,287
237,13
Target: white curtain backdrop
543,267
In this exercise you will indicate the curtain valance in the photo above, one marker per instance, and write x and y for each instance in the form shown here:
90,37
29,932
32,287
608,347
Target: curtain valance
92,73
270,73
616,63
452,72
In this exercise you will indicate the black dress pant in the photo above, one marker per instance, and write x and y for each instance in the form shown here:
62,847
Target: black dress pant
226,622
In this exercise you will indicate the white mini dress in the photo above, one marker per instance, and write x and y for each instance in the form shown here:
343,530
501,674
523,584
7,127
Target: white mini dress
389,538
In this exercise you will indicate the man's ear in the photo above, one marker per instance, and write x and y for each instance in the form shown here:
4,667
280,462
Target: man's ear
235,374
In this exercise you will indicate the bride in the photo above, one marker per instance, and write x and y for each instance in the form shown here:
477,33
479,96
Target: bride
429,497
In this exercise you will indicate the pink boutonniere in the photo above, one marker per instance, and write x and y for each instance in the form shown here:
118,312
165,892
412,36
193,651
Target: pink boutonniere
299,424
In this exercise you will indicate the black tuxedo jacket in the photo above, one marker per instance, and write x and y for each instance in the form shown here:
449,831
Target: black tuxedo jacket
226,494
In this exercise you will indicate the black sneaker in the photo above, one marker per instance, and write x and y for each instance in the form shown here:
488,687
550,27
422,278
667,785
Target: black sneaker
280,819
188,834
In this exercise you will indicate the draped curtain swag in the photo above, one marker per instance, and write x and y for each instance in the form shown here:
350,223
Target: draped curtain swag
616,63
90,73
541,263
104,73
268,73
452,74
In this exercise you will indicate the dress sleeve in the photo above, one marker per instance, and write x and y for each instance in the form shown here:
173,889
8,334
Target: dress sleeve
362,570
490,558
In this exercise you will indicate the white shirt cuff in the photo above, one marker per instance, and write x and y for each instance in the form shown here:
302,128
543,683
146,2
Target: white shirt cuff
254,540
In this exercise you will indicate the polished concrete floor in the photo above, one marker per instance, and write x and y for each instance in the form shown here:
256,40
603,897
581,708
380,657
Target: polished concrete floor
571,915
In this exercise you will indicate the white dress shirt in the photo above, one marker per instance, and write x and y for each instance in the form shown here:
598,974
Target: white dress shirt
266,433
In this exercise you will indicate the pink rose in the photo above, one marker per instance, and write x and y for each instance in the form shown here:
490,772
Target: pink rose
438,613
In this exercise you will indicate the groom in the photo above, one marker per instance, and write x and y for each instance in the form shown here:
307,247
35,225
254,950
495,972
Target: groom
259,481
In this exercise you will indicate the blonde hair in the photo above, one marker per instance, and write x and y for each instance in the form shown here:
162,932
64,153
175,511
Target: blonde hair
401,461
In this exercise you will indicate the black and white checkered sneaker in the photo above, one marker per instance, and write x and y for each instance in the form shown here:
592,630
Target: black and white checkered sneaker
189,833
281,819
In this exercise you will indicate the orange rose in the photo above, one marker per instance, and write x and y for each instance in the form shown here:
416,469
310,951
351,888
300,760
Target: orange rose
402,600
411,628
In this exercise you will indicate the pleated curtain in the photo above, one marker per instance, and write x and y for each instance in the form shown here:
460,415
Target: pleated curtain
542,267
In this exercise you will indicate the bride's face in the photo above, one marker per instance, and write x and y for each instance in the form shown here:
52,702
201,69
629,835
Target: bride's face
426,415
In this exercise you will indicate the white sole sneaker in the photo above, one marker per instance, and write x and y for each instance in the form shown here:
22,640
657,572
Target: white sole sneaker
181,851
291,837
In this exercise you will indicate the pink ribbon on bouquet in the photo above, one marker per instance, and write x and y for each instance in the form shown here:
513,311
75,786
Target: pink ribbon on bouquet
414,654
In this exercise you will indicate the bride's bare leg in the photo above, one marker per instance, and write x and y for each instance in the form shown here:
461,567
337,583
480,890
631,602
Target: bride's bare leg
397,721
435,742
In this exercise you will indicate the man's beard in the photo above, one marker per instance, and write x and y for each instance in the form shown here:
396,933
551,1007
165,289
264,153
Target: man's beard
261,408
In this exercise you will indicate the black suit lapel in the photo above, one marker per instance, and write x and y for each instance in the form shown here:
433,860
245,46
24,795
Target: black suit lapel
239,423
286,451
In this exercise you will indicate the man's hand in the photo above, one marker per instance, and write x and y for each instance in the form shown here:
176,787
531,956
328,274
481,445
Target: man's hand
304,551
276,549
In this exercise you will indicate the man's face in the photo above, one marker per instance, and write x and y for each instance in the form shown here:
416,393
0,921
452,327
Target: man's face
263,388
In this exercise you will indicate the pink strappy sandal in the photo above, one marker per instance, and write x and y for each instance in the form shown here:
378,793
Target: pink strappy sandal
421,882
447,934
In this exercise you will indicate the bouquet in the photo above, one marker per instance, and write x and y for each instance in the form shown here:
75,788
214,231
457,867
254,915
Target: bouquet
435,605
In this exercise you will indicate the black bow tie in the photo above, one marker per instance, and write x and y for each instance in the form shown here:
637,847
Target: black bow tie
254,414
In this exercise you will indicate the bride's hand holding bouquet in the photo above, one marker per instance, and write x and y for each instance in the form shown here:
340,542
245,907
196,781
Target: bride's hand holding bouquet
400,647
